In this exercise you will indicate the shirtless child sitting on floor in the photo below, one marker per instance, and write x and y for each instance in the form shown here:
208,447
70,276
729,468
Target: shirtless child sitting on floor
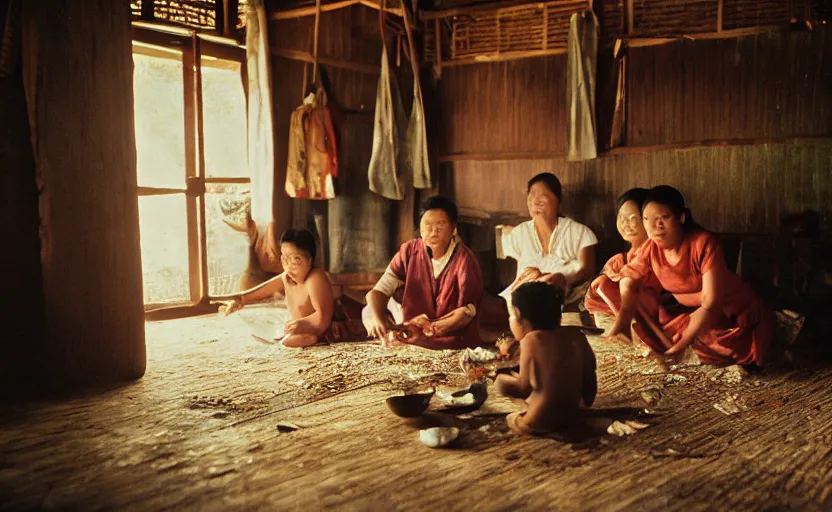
308,291
557,365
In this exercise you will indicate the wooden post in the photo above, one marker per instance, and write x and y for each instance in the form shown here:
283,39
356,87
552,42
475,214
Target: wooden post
200,182
147,11
79,89
189,94
315,40
719,10
438,43
219,17
629,15
230,8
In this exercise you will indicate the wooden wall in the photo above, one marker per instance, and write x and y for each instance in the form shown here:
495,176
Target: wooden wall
361,237
771,85
504,107
505,122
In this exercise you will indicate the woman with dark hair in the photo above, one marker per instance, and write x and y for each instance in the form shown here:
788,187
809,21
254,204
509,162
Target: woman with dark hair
603,299
549,248
725,321
440,283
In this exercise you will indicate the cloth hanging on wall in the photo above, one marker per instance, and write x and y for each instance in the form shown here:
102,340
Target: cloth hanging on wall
313,161
400,151
580,79
389,166
260,122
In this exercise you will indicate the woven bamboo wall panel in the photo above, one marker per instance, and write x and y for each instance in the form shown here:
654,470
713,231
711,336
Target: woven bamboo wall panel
428,42
749,13
196,13
612,20
200,14
669,17
540,26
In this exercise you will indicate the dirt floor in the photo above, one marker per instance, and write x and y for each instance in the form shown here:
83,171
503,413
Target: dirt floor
200,431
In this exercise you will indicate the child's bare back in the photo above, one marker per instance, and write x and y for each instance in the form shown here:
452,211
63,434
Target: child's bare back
561,375
557,365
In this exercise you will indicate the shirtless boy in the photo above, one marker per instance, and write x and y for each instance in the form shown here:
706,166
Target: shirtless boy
308,291
557,365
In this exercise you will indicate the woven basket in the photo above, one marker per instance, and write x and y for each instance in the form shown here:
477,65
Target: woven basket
539,26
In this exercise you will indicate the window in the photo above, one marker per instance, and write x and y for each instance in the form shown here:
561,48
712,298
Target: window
193,178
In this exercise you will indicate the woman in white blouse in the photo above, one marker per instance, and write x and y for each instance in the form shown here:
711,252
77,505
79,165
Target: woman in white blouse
550,248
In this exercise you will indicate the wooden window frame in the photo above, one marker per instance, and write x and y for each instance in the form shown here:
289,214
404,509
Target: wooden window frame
193,47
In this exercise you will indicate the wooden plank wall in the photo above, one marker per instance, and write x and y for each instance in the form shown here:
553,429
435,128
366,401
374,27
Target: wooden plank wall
773,85
358,241
514,106
756,87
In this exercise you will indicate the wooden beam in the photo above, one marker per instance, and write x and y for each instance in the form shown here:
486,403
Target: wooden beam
315,41
159,313
300,12
502,57
625,150
636,42
157,191
491,6
374,5
232,8
287,14
326,61
221,50
490,157
628,150
438,44
158,37
243,181
739,32
200,138
413,54
219,16
629,15
720,8
189,79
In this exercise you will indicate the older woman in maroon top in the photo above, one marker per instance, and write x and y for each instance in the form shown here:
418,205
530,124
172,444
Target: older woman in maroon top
440,282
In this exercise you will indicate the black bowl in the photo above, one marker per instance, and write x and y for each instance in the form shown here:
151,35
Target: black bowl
480,392
411,405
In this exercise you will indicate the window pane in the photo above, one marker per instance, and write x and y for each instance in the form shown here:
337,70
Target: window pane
164,236
159,110
224,119
228,249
